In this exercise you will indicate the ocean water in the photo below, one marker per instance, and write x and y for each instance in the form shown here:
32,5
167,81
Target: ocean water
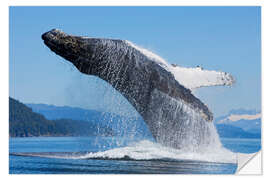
111,155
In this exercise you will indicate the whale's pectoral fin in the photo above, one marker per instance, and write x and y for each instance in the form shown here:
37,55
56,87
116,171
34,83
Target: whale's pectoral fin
193,78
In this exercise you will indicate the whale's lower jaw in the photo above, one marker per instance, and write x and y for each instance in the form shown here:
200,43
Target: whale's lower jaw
172,113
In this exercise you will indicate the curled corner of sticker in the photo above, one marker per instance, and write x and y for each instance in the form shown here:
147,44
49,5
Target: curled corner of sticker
249,164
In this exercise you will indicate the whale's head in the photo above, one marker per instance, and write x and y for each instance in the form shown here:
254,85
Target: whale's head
78,50
69,47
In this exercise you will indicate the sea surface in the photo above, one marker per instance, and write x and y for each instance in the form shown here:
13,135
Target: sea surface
111,155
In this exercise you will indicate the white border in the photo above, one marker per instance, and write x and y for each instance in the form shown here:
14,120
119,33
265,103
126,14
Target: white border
137,2
5,59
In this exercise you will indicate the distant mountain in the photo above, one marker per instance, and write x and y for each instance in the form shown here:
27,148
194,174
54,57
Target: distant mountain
58,112
229,131
123,126
248,120
237,112
23,122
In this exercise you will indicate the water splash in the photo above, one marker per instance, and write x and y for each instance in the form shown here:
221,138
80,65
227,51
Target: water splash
147,150
144,151
174,123
198,139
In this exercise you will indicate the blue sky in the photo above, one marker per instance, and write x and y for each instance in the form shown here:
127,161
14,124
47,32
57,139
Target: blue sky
217,38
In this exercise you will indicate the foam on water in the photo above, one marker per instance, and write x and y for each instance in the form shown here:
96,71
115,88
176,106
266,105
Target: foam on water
147,150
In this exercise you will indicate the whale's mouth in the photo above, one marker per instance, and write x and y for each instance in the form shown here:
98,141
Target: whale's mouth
52,45
50,38
51,34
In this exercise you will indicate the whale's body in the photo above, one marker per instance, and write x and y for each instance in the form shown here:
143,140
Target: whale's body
168,107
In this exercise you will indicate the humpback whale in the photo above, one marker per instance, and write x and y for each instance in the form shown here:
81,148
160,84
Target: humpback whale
160,92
